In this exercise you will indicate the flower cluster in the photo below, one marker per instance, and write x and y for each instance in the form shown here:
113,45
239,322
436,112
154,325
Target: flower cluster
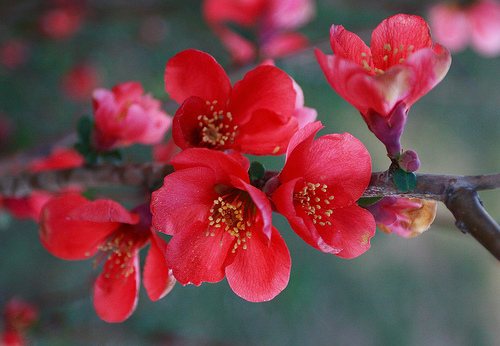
216,206
270,25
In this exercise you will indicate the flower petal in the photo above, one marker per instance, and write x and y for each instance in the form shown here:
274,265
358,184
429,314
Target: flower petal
185,126
348,45
158,278
266,133
71,239
195,257
351,229
342,162
195,73
115,295
104,210
265,87
261,271
186,196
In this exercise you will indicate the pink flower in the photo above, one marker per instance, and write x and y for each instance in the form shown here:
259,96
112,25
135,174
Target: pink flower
254,117
125,116
271,22
74,228
384,81
477,24
318,189
18,317
62,21
407,217
221,225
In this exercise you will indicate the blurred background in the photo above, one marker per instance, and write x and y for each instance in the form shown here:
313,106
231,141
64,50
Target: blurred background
441,288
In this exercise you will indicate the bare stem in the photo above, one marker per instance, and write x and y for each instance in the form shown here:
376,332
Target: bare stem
458,193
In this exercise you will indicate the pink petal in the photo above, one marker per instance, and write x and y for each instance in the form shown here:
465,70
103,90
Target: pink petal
348,45
103,211
127,91
115,295
71,239
196,257
266,133
186,196
221,164
262,270
185,126
279,46
449,26
298,150
404,34
351,230
265,87
484,17
342,163
157,277
195,73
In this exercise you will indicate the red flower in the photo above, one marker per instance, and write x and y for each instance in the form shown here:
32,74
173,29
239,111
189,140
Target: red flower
125,116
319,187
74,228
14,53
407,217
477,24
30,207
18,316
384,81
254,116
221,226
272,22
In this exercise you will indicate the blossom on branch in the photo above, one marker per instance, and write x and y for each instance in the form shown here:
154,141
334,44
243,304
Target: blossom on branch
255,116
318,189
262,28
221,225
407,217
74,228
383,81
477,24
124,116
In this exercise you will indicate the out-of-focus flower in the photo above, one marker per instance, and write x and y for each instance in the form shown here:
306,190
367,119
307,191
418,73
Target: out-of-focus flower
30,207
221,225
154,29
165,151
63,20
14,53
73,228
18,317
270,25
476,24
407,217
125,115
318,189
384,81
79,81
254,117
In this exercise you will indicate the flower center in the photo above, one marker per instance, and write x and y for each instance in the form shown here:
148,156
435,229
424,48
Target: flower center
234,213
216,128
393,56
315,201
123,112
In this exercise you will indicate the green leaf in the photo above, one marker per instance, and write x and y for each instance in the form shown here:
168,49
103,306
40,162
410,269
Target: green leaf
367,201
84,129
405,181
256,171
114,156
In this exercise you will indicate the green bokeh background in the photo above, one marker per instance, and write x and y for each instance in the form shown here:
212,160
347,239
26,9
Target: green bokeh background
441,288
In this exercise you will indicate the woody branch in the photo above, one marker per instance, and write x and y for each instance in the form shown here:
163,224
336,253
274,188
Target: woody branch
458,193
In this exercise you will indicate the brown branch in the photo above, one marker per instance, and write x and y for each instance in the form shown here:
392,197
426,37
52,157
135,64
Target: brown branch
458,193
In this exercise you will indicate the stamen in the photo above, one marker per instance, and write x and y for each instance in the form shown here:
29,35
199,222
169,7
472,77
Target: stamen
216,129
314,200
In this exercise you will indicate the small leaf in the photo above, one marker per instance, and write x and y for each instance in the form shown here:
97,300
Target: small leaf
256,171
405,181
367,201
84,128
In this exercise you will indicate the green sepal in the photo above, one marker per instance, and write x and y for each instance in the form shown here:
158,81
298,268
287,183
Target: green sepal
405,181
256,171
367,201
